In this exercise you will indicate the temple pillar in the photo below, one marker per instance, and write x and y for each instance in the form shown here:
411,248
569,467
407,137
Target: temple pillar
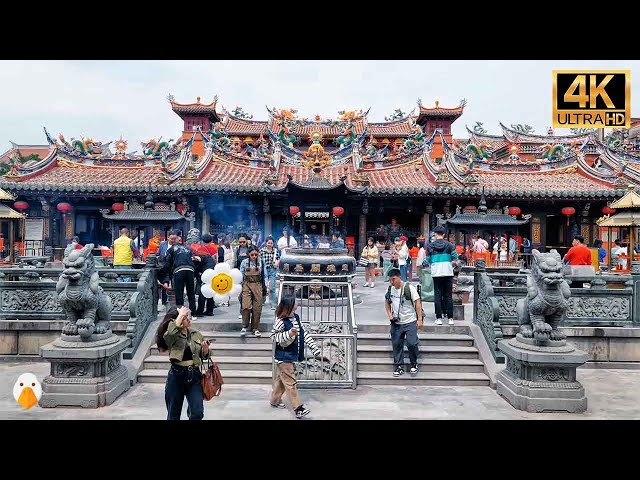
266,209
362,232
424,225
205,221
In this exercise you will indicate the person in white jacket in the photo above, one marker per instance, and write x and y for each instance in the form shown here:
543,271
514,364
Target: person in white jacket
403,254
286,241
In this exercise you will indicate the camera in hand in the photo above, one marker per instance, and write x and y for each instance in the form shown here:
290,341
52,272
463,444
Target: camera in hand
395,320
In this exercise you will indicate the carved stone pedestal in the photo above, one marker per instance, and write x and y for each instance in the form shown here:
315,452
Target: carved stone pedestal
85,374
541,378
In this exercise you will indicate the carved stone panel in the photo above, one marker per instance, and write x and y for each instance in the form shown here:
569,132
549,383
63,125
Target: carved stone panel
507,305
119,300
616,308
29,301
71,369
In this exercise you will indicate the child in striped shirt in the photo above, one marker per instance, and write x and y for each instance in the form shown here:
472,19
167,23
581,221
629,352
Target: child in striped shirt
290,340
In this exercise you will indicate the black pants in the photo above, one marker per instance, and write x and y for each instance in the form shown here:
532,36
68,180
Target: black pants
184,382
163,295
443,296
204,302
399,334
181,280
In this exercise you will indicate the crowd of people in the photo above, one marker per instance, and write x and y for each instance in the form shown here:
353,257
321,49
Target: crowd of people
437,263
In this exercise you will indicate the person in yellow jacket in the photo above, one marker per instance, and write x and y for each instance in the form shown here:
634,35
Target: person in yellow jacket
124,249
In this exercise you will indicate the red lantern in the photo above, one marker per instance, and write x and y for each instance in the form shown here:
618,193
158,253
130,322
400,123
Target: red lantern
64,207
180,208
293,210
117,207
514,211
21,205
608,210
568,211
337,211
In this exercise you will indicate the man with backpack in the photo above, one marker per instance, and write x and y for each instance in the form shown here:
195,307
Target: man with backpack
180,269
404,309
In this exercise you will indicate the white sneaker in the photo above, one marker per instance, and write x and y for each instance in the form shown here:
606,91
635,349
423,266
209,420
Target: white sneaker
243,332
257,333
366,284
451,321
372,285
438,321
240,317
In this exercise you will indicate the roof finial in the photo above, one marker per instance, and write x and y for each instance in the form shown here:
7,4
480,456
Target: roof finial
197,99
437,103
482,207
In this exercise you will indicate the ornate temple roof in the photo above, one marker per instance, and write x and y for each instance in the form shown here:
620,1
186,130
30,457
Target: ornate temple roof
6,196
7,213
391,158
195,108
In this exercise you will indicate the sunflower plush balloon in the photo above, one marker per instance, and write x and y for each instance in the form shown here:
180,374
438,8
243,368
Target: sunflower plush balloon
222,283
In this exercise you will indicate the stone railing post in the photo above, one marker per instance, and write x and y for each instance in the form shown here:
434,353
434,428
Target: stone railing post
635,279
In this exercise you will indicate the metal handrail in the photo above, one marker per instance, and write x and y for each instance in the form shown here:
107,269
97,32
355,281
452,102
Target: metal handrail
350,337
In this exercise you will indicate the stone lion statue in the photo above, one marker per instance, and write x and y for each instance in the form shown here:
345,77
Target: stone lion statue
540,313
87,307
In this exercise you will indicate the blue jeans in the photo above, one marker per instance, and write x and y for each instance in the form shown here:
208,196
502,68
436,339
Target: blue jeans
271,285
123,267
184,382
403,272
399,334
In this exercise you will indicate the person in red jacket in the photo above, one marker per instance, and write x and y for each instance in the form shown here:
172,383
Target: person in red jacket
578,254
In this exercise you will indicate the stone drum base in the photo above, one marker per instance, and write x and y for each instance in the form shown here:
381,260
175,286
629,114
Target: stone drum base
541,379
84,374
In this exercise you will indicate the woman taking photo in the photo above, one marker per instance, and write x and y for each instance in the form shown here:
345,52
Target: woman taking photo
254,275
187,348
371,254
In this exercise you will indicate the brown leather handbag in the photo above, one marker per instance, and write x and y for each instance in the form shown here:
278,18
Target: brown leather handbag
211,380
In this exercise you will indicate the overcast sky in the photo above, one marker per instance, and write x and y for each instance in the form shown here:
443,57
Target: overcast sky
106,99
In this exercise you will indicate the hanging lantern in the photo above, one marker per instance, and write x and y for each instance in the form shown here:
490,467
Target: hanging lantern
607,210
514,211
64,207
568,211
21,205
337,211
293,210
179,208
117,207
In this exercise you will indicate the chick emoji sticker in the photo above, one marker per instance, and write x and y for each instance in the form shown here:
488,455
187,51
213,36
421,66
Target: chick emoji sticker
221,283
27,390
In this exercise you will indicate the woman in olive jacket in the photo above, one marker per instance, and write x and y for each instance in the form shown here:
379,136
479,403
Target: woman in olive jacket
187,348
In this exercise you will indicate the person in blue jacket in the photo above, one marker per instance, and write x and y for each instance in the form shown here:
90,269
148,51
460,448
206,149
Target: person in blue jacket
290,341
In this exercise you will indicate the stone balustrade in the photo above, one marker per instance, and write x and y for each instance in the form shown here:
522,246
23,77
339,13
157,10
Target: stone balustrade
599,306
30,315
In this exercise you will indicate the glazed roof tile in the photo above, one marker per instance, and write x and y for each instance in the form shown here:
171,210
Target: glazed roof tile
85,178
561,182
223,175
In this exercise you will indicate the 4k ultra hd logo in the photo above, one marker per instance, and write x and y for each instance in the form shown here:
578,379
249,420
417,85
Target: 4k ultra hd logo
591,98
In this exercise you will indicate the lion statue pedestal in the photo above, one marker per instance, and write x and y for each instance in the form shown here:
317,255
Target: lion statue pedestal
540,374
86,369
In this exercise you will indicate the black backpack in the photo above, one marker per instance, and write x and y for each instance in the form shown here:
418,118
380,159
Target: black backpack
407,295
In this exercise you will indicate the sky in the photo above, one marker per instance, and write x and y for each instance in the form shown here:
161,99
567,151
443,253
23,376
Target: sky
109,99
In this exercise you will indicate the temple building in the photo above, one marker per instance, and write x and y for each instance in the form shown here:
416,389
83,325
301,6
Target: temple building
230,173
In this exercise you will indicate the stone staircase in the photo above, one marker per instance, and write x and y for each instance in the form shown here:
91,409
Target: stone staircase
241,360
447,357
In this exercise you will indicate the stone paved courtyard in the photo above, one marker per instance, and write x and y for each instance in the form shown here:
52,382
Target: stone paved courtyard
612,394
